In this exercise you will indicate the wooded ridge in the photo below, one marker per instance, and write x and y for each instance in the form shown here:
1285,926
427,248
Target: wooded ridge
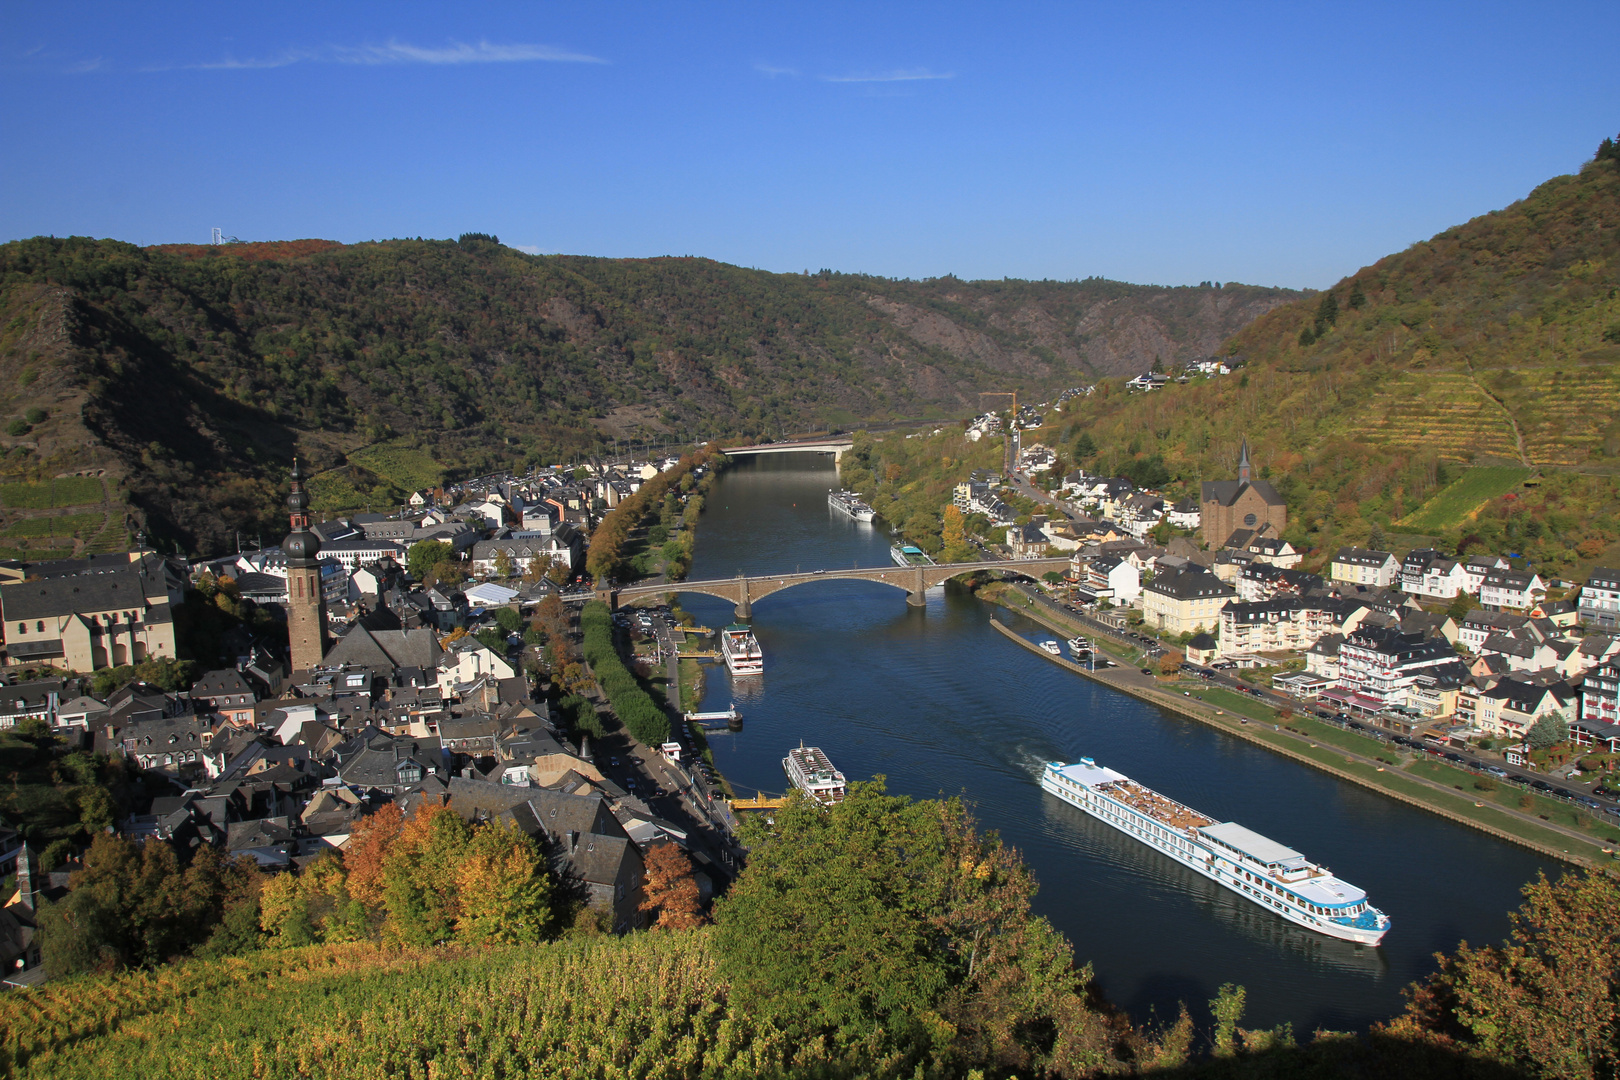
193,373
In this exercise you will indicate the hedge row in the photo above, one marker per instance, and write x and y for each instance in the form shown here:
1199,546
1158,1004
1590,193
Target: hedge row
635,708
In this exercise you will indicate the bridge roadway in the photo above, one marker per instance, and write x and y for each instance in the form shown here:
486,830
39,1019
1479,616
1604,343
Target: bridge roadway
834,445
915,580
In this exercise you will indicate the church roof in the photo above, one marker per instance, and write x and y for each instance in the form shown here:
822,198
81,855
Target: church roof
1227,492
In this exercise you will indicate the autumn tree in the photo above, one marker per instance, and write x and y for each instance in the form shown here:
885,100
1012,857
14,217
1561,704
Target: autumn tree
953,535
671,897
503,889
419,876
1547,1000
537,567
367,851
504,566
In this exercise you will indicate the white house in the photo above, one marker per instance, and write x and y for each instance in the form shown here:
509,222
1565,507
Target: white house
1511,590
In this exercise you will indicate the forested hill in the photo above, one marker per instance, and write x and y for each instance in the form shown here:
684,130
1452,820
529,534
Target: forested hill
1497,343
193,373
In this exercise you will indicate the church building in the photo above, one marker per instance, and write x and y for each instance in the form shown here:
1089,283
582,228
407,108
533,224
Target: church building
1244,503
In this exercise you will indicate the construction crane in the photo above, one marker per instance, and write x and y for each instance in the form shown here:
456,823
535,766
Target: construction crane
1010,455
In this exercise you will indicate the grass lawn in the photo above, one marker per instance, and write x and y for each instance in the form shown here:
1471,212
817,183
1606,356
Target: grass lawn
1234,702
1455,503
691,685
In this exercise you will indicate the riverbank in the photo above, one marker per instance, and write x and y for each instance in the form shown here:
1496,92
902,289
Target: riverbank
1380,774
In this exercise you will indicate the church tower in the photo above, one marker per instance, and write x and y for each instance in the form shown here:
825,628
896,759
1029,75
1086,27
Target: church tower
306,605
1243,464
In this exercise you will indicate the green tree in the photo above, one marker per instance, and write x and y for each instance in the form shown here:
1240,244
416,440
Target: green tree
424,555
1547,1000
504,567
419,876
503,889
890,931
1547,732
508,619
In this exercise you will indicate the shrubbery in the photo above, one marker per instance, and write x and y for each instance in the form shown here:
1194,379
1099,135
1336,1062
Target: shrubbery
635,708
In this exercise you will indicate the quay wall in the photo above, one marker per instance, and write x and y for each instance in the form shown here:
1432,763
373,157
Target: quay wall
1203,716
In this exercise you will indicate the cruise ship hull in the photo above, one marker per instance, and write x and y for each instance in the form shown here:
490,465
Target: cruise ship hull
1295,890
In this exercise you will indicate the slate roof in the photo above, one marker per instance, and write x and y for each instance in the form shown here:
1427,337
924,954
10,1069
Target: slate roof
1226,492
93,588
385,650
1355,556
1193,583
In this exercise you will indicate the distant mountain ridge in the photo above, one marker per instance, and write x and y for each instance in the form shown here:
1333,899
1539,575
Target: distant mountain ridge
193,373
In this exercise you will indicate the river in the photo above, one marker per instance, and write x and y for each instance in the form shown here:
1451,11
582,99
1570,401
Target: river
940,704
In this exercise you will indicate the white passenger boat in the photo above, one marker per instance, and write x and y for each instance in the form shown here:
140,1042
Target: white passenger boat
1268,873
847,502
1079,647
813,773
909,555
1052,647
741,650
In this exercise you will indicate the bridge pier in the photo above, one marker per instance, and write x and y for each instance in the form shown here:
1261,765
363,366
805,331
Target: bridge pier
745,610
917,595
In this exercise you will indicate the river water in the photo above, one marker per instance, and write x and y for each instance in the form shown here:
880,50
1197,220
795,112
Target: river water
940,704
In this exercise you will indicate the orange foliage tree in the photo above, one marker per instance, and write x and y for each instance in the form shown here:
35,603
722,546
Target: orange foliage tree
671,892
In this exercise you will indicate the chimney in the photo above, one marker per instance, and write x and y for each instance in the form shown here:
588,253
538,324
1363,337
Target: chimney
573,840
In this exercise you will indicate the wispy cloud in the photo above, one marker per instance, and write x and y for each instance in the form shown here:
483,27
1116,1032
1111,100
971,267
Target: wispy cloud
83,67
400,52
773,71
532,249
898,75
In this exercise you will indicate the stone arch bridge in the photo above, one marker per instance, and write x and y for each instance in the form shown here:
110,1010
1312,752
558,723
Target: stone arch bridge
915,580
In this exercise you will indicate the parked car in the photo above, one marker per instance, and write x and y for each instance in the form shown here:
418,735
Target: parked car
1604,792
1563,793
1496,770
1541,785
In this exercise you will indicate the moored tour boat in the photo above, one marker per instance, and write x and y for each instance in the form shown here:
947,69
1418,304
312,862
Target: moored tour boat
741,650
813,773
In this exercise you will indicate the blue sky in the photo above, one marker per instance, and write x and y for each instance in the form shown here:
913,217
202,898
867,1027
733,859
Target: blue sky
1281,144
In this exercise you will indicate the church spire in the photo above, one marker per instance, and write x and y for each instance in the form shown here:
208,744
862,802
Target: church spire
1243,463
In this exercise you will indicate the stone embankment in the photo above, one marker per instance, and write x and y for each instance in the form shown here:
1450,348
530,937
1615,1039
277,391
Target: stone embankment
1427,795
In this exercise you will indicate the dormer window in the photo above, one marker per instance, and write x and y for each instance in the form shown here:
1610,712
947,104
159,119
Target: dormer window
39,627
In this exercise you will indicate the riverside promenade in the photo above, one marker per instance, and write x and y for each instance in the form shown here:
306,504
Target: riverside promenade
1376,774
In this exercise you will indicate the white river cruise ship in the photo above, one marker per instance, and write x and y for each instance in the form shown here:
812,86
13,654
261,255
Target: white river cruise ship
847,502
1261,870
741,650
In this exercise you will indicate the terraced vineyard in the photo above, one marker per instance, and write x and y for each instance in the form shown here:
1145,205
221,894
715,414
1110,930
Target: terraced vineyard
1444,410
65,516
1564,412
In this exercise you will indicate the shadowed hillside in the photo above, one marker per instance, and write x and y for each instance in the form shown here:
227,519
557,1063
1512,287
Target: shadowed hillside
192,373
